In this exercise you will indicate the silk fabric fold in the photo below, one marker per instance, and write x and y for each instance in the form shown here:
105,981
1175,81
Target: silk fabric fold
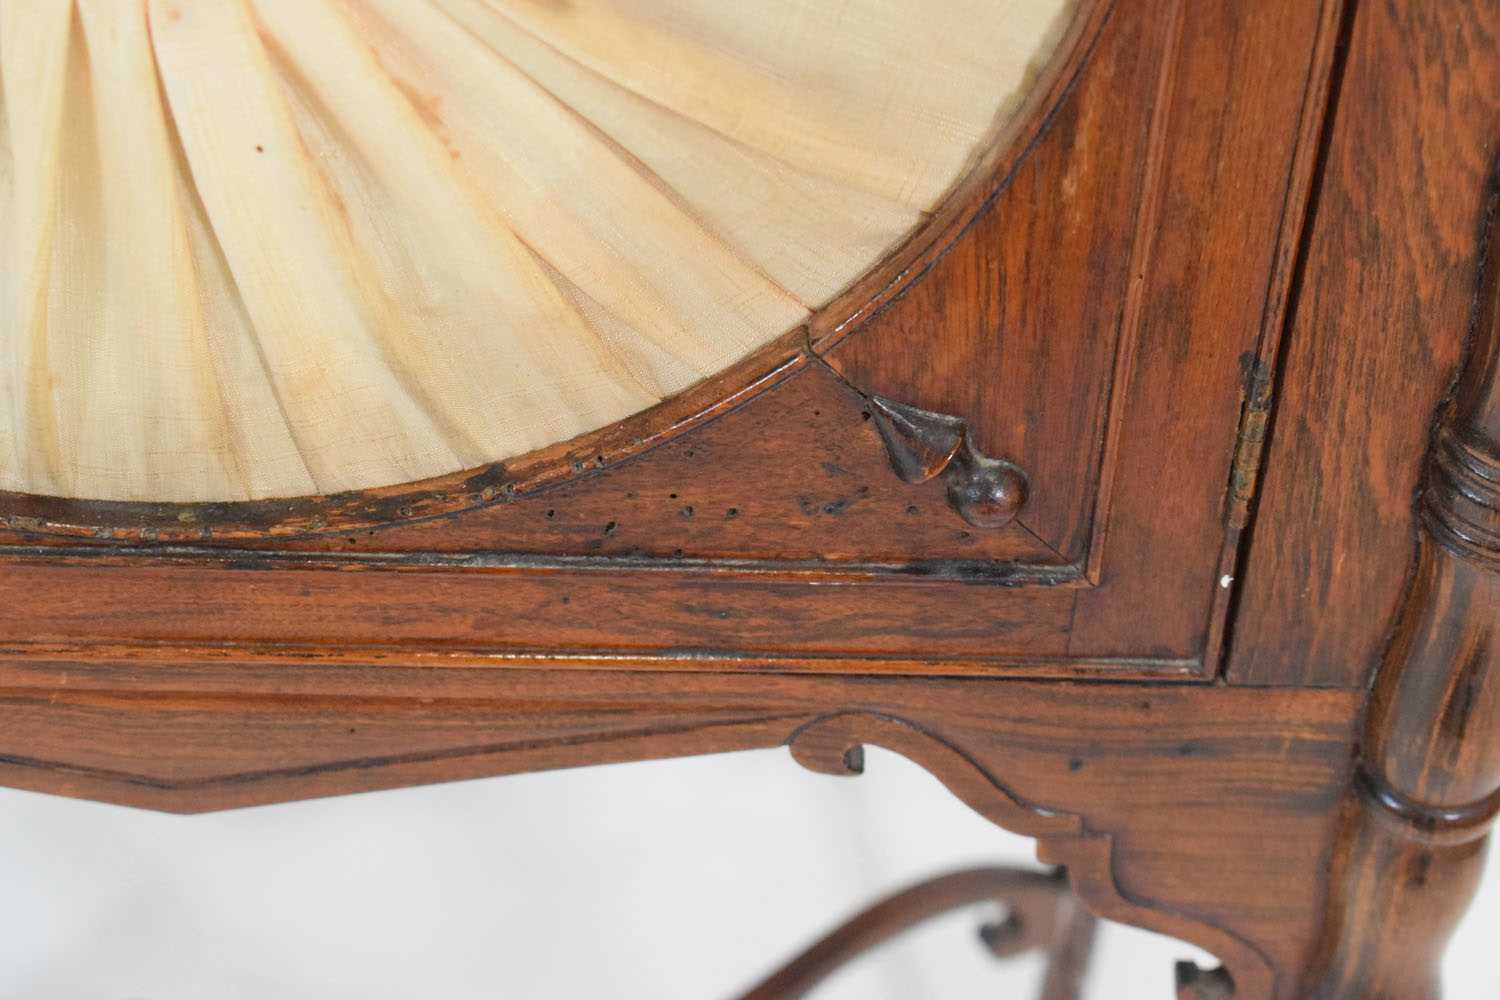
266,248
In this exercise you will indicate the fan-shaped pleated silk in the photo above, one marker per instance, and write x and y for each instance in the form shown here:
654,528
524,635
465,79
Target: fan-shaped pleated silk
262,248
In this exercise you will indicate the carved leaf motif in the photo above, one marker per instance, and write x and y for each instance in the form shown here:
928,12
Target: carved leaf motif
920,443
987,492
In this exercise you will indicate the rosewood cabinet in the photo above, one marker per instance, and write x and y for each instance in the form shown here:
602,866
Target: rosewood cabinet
1146,491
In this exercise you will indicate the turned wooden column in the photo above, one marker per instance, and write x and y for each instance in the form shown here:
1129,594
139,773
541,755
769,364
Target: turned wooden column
1428,781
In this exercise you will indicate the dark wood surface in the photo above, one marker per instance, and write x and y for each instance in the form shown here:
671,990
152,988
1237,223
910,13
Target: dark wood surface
1103,500
1169,807
1428,786
1385,303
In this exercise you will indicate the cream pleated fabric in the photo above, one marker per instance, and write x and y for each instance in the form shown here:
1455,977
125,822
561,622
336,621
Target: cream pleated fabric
262,248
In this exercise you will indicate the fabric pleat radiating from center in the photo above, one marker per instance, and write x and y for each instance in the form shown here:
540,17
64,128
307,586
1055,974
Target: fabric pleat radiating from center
272,248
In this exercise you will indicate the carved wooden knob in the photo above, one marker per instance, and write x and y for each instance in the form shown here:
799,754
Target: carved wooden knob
986,492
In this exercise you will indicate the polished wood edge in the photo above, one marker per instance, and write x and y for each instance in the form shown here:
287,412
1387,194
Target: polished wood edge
410,503
27,666
498,482
916,572
1425,822
1262,371
1427,791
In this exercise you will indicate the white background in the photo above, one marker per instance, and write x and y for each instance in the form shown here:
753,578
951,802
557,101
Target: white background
686,878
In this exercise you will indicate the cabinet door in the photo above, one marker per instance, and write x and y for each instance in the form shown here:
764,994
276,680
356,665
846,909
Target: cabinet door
1022,444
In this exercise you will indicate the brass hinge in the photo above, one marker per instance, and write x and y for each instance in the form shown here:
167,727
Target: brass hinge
1250,442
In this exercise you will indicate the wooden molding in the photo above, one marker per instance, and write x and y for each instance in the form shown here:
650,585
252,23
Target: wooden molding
1461,504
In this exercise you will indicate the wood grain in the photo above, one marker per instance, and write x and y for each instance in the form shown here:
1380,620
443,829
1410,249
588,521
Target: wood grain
1003,308
1215,278
765,523
834,498
1170,806
1388,290
1428,790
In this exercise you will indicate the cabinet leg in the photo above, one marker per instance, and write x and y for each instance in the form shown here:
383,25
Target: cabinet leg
1416,826
1397,896
1427,787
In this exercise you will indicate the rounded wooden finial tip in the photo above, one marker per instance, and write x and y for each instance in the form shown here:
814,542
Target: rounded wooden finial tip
987,492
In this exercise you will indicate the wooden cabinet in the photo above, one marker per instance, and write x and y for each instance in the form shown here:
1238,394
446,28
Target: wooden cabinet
1095,497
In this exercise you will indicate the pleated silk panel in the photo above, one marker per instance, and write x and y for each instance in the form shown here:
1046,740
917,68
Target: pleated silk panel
269,248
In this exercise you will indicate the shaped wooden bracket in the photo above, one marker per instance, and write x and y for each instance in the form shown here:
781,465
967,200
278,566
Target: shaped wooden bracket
834,744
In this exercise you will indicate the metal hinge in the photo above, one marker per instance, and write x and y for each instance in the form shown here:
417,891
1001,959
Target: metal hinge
1250,442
